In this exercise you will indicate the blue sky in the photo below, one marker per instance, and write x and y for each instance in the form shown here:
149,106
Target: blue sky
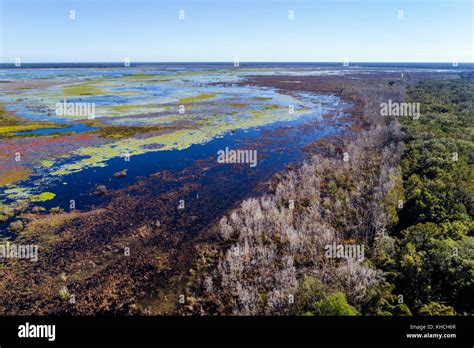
251,30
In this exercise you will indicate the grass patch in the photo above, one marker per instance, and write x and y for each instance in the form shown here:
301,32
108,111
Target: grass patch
10,124
27,127
238,105
200,97
131,107
13,176
261,98
7,119
85,88
119,132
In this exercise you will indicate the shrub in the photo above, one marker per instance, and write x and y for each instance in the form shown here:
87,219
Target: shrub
334,304
436,308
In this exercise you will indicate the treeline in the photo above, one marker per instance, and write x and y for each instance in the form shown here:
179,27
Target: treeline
409,207
431,262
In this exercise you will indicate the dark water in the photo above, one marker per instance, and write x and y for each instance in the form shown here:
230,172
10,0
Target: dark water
288,143
76,128
277,145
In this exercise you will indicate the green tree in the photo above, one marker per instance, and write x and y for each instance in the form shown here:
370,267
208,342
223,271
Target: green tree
380,300
334,304
308,293
436,308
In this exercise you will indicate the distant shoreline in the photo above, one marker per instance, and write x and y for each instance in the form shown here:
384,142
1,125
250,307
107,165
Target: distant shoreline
415,65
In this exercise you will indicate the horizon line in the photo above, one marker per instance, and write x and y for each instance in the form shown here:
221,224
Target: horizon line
241,62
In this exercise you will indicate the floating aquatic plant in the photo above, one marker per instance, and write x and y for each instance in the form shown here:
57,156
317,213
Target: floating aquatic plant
43,197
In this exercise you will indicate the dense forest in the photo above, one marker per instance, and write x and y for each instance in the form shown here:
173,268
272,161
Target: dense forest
432,261
402,188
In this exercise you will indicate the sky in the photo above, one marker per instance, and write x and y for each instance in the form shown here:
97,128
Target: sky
249,30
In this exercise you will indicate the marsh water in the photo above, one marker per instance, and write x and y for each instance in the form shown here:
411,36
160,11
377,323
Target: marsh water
69,163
